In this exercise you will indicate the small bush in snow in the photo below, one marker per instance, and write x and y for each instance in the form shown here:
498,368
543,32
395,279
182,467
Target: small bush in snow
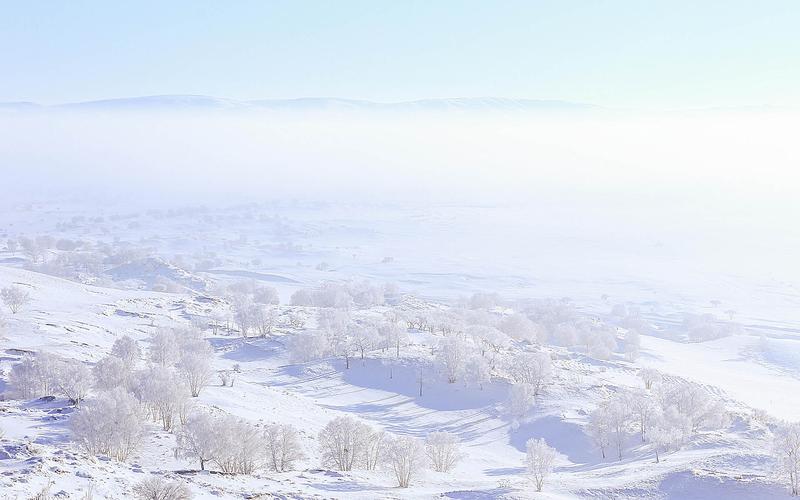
156,488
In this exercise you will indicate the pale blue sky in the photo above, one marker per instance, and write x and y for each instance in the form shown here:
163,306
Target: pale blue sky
617,53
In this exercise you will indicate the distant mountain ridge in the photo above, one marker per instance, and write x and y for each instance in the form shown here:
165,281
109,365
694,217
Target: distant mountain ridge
201,102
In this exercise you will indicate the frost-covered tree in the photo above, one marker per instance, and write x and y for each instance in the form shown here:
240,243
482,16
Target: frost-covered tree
194,365
643,411
519,327
308,346
12,246
342,442
111,372
539,461
157,488
35,375
302,297
266,295
364,339
240,448
373,449
283,447
489,339
164,347
263,319
451,357
650,377
127,349
330,320
601,343
15,298
600,428
632,345
74,380
442,449
245,312
405,457
786,450
392,335
109,424
531,368
198,438
477,371
162,394
618,415
695,403
521,398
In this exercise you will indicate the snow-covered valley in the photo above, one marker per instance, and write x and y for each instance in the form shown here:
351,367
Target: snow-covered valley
399,318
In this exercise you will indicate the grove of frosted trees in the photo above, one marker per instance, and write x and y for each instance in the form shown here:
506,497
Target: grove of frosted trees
152,385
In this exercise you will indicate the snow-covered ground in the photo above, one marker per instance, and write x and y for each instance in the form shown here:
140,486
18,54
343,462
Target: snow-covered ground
169,267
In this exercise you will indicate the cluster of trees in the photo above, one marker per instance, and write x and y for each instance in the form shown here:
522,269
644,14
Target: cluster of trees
236,446
530,372
664,414
703,327
361,294
44,374
338,334
111,422
347,444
